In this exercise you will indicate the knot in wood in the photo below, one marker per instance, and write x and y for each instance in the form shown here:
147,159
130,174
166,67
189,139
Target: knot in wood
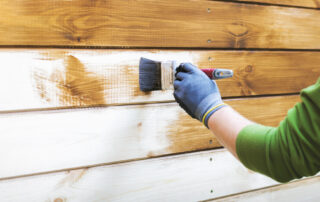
248,68
237,29
58,200
243,72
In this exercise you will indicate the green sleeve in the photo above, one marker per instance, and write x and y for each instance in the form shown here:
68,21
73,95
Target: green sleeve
289,151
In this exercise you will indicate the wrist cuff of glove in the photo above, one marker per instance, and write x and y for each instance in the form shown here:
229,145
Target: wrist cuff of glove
211,111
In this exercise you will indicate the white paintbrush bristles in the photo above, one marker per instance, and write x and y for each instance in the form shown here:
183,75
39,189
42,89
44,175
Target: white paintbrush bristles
168,71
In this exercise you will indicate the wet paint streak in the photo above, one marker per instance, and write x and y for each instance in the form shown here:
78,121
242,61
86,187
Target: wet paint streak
79,87
72,86
182,138
83,78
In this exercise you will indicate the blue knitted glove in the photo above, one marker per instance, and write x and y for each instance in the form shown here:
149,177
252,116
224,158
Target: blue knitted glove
196,93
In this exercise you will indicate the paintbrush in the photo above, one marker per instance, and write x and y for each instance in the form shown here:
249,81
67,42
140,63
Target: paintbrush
156,75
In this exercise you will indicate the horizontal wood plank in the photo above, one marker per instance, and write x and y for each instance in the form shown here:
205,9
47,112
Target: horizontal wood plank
45,141
51,78
302,3
190,177
151,23
302,190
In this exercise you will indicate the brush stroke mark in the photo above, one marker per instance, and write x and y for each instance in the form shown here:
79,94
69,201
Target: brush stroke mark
80,87
182,138
102,79
73,86
122,84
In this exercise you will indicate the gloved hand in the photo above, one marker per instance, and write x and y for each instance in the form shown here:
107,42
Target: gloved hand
198,95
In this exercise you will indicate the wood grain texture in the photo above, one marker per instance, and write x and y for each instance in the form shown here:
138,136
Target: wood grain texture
302,3
190,177
304,190
45,141
51,78
151,23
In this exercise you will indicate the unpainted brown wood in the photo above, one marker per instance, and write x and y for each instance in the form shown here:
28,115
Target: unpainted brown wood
58,78
302,3
46,141
151,23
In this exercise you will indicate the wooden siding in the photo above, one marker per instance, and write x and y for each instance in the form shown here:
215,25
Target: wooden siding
54,78
188,177
153,23
64,139
303,190
298,3
74,125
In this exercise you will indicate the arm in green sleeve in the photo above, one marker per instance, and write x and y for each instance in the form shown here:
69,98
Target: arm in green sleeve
289,151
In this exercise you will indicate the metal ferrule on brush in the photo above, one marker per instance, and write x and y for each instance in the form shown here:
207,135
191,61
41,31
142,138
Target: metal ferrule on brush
168,71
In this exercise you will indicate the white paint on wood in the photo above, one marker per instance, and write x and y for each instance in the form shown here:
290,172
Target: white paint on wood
189,177
36,78
45,141
306,190
19,70
37,142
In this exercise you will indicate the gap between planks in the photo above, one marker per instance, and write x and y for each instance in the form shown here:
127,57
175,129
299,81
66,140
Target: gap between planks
35,110
308,4
110,163
171,48
233,197
200,172
115,162
55,140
